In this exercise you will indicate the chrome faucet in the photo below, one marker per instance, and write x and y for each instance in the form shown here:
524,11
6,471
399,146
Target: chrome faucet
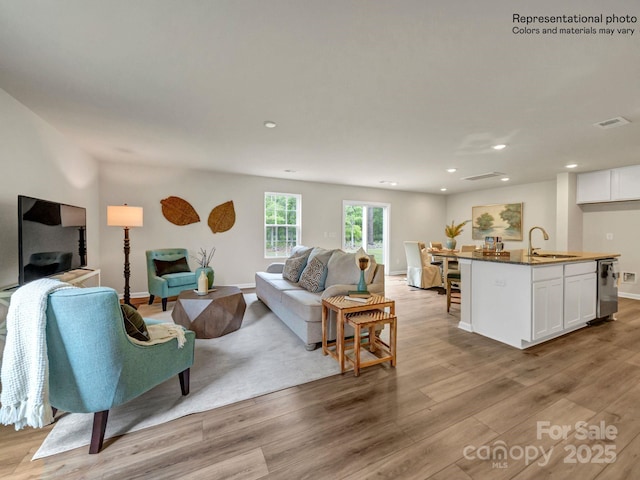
546,237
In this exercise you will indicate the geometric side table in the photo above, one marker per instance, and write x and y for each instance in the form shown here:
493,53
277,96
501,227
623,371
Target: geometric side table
212,315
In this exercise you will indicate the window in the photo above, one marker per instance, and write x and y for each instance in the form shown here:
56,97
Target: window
281,223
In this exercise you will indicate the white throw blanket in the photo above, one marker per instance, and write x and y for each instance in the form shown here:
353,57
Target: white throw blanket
25,367
161,333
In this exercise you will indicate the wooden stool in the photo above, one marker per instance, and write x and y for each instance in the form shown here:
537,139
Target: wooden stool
452,277
377,351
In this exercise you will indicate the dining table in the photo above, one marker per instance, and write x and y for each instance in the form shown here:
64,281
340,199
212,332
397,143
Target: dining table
446,255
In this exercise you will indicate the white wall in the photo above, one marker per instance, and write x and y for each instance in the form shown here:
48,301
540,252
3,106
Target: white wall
239,254
622,221
39,162
568,214
539,208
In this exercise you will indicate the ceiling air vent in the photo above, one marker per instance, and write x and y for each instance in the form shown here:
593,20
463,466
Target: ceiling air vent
482,176
612,123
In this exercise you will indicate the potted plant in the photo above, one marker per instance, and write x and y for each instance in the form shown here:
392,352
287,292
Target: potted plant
452,231
203,259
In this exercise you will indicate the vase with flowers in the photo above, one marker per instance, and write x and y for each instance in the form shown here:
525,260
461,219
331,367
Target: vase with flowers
203,259
452,231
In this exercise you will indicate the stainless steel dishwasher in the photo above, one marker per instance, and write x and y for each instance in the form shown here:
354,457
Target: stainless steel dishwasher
607,288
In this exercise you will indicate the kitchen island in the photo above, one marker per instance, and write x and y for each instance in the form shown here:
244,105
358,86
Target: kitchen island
524,300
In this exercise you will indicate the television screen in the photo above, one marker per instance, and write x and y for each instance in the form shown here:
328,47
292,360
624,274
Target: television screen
51,238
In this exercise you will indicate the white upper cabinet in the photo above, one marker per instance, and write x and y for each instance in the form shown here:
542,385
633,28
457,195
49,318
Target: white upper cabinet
613,185
594,187
625,183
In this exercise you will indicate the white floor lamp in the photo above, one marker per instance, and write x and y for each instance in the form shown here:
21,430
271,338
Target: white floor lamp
126,217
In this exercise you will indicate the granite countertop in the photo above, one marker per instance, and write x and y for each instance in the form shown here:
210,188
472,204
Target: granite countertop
520,257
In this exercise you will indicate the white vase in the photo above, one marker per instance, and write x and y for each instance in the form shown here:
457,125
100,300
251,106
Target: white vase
203,283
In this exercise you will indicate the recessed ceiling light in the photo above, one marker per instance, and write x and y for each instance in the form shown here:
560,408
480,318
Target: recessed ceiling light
388,182
443,189
505,179
571,165
451,170
499,147
270,124
290,171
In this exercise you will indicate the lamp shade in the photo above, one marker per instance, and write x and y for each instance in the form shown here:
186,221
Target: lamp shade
124,216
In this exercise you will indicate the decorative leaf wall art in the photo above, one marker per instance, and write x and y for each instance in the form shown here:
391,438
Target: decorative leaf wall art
222,217
179,211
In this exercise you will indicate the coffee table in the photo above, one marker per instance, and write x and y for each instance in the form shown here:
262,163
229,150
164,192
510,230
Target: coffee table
212,315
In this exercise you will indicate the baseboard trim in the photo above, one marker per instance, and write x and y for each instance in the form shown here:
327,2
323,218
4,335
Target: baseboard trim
398,272
632,296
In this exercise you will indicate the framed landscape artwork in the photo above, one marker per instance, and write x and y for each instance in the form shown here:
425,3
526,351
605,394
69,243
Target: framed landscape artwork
501,220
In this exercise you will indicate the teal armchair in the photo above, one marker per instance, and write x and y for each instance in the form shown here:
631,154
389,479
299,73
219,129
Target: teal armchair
172,283
94,366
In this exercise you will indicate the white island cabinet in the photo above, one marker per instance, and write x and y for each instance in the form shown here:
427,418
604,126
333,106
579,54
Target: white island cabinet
547,301
523,301
580,290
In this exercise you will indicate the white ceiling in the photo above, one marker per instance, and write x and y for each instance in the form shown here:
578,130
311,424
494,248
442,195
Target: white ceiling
362,90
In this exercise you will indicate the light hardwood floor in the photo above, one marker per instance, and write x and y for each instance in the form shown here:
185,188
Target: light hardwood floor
451,390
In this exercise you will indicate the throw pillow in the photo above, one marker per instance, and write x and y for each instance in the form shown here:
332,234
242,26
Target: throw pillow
164,267
343,268
294,265
315,273
133,323
320,251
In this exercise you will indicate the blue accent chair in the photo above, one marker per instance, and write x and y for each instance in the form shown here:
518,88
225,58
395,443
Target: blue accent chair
170,284
93,364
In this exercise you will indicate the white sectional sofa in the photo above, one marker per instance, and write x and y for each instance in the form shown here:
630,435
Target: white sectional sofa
301,309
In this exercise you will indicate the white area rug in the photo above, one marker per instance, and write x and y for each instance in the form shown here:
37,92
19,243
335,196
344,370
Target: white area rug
262,357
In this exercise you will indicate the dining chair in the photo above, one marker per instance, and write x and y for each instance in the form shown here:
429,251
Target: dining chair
420,273
453,264
435,260
453,277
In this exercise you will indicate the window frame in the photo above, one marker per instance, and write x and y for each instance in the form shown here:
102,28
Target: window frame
297,225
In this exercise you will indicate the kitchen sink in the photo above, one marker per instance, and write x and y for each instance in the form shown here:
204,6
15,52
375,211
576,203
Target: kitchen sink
553,255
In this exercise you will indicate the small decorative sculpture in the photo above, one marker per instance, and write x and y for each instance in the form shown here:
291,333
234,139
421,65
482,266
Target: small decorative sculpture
363,265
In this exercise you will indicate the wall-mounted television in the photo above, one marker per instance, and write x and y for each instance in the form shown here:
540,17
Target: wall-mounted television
51,238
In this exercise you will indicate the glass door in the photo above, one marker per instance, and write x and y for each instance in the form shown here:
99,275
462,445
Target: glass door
366,225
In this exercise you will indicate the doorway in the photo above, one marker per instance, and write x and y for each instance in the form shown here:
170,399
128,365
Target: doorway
366,225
